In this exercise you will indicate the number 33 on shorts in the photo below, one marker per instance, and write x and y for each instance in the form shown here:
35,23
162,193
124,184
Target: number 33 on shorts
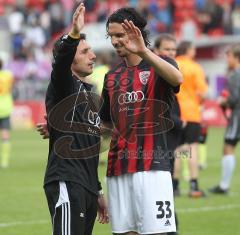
167,212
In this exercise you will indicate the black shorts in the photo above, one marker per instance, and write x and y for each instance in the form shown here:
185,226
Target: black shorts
232,134
73,209
173,141
203,134
191,133
5,123
231,142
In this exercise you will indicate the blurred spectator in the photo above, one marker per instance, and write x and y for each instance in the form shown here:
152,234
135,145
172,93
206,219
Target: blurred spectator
57,19
15,20
211,17
236,19
200,4
90,5
33,24
68,8
15,23
37,4
34,36
45,22
227,11
188,29
31,68
142,6
160,19
102,11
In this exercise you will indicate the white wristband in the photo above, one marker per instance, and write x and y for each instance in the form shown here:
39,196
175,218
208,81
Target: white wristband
100,193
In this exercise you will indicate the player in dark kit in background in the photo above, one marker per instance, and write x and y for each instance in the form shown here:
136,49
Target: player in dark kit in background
137,95
166,45
71,181
232,134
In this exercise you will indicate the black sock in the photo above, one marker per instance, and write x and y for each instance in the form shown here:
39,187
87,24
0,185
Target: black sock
194,184
175,184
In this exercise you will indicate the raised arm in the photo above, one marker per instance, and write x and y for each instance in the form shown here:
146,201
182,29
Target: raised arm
135,44
77,22
65,48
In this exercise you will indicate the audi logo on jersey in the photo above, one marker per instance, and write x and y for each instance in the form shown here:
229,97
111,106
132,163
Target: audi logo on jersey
94,119
131,97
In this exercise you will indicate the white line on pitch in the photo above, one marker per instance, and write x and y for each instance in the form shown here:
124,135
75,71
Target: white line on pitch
12,224
208,208
180,210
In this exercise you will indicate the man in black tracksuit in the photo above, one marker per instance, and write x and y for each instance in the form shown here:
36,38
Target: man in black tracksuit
71,181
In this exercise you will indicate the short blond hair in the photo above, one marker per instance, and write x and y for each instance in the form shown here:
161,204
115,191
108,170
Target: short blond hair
235,50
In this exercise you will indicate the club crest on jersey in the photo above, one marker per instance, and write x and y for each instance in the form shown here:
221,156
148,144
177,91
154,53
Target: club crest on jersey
144,76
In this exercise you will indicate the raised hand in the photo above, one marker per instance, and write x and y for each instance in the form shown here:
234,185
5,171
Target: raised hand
77,21
135,43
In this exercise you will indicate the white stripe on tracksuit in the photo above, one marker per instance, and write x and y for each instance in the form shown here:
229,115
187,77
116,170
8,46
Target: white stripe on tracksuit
231,132
64,202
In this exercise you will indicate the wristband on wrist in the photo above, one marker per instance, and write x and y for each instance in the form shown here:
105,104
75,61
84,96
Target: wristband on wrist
100,193
73,36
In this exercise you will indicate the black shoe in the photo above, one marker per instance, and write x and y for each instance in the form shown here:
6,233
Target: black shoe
173,233
218,190
202,167
196,194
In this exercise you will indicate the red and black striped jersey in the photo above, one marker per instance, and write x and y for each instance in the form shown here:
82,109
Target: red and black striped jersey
137,101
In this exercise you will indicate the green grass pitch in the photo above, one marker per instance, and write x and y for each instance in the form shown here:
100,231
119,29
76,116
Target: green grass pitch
23,208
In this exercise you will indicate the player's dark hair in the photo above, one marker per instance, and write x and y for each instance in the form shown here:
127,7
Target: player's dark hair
163,37
58,43
83,36
183,47
130,14
235,49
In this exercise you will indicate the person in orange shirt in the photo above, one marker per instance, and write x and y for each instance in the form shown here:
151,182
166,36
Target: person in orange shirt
192,92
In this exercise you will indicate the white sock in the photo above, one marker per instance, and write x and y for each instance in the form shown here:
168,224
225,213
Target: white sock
228,165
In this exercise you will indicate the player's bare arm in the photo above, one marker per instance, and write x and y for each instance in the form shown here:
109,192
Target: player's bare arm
135,44
103,217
